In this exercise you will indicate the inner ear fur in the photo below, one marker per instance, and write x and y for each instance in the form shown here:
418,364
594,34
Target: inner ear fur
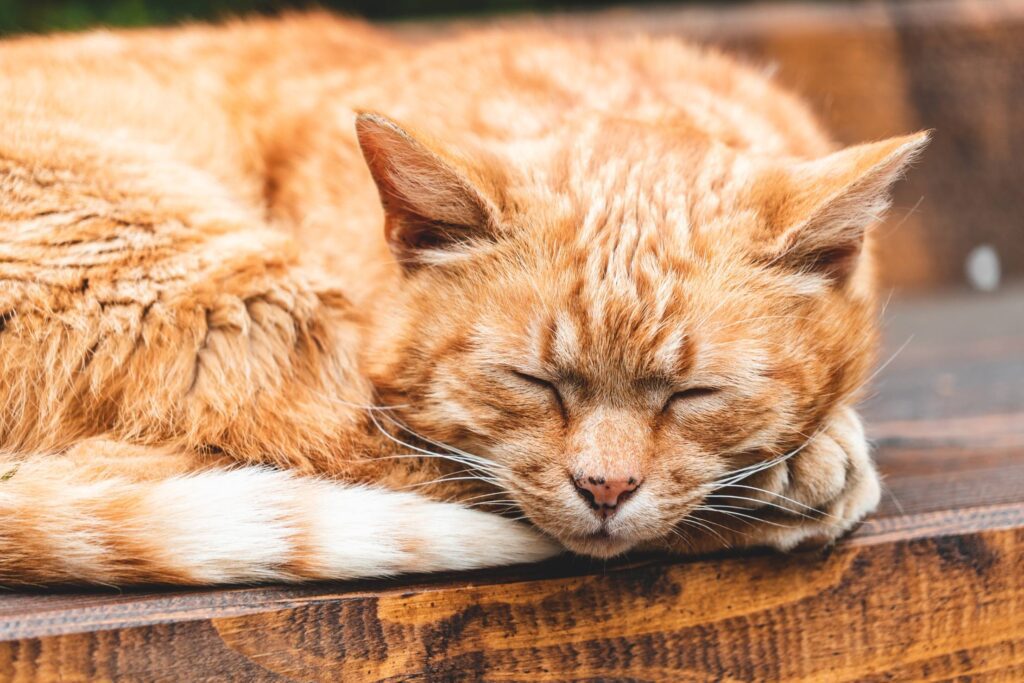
432,206
815,214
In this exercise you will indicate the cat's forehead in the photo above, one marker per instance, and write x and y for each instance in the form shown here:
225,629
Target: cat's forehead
629,275
635,184
617,349
602,319
614,315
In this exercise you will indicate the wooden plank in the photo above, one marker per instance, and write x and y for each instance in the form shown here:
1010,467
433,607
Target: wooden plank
955,606
958,371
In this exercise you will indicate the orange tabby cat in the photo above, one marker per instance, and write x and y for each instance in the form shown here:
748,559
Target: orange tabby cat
622,290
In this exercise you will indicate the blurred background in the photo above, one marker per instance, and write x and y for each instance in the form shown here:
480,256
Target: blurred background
871,69
47,15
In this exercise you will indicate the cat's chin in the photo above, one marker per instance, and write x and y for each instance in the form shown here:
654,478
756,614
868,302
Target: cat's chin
600,545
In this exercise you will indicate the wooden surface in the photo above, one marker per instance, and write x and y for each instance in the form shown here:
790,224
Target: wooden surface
931,587
876,69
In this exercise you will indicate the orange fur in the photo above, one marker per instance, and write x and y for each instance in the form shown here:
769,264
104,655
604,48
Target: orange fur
194,275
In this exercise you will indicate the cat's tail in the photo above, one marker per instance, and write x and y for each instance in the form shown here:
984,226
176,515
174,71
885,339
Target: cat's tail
236,526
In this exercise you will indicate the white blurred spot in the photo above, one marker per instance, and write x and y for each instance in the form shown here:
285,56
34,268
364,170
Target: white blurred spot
982,268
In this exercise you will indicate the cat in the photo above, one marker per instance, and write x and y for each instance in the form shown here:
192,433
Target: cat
293,299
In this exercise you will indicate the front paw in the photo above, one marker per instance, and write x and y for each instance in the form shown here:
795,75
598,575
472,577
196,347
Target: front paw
809,500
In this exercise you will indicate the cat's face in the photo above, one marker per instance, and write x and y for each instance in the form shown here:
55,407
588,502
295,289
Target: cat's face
616,345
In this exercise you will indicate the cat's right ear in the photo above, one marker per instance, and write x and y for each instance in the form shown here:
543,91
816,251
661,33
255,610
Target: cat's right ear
816,213
434,212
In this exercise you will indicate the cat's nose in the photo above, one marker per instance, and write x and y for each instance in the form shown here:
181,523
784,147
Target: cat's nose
604,494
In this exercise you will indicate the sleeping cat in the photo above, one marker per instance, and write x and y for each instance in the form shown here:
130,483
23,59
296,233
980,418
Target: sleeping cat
292,299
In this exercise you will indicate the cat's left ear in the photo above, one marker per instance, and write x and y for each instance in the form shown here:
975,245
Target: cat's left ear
816,212
434,211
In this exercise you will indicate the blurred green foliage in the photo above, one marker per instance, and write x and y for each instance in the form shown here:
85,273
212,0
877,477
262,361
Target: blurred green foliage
19,16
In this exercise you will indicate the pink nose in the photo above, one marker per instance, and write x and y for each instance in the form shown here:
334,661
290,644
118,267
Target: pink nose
605,495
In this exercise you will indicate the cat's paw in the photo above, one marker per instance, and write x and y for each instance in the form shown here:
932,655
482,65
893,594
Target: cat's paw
809,500
823,491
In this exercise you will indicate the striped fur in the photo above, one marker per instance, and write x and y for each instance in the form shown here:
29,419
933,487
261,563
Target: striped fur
67,522
254,328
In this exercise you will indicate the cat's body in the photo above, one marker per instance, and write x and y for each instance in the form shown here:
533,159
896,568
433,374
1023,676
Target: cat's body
193,276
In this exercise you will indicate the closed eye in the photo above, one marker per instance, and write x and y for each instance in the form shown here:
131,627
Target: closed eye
536,381
691,394
541,384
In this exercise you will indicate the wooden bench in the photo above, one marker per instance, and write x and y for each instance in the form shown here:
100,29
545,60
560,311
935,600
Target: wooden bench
931,587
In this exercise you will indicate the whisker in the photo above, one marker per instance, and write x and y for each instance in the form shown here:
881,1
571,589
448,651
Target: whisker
883,366
417,456
770,493
762,502
484,495
742,473
448,478
706,508
759,502
506,506
740,476
398,441
755,467
426,453
892,496
731,513
484,462
708,521
684,539
700,524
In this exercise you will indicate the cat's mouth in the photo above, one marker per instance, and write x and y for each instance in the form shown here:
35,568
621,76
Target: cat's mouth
602,543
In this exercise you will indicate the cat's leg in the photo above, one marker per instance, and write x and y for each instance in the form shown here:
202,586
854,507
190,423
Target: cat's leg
810,499
147,298
113,513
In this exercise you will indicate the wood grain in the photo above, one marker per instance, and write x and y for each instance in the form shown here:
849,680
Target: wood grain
954,607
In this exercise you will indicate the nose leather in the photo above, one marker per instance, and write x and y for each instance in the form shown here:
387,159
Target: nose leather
603,494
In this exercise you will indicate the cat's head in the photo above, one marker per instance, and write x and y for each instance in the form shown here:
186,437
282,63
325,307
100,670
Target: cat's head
620,327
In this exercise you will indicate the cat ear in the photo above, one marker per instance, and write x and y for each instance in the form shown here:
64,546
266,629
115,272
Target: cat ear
817,211
433,211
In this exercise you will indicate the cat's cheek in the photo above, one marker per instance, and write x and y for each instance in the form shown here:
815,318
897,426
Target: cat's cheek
731,428
529,421
488,416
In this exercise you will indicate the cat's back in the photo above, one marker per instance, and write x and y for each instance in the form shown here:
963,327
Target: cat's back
199,94
226,97
507,84
77,73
